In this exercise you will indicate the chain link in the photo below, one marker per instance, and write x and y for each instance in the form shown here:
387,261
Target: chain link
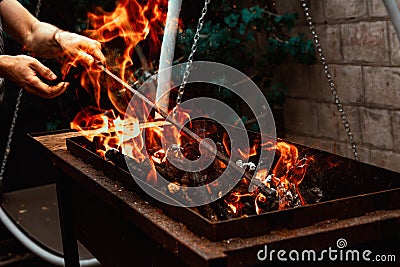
331,82
188,67
38,6
10,134
15,116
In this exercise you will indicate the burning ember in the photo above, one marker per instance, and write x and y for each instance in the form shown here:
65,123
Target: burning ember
117,134
284,180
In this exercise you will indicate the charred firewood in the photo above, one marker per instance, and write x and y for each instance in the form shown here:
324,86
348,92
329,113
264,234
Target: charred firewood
217,210
288,197
267,204
197,179
185,178
221,209
248,209
312,195
116,157
175,189
208,212
267,192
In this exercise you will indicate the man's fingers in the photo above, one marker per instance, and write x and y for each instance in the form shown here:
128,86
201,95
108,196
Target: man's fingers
37,87
98,54
42,70
86,58
29,73
58,89
91,48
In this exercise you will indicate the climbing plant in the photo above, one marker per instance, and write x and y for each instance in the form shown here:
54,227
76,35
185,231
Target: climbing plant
253,37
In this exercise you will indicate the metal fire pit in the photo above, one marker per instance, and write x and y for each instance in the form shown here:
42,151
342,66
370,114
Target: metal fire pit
120,227
350,189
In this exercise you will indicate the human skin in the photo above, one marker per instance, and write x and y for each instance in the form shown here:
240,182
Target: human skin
42,40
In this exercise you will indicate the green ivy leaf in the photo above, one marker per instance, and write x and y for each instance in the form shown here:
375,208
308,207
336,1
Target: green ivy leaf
247,16
232,20
287,19
242,29
257,11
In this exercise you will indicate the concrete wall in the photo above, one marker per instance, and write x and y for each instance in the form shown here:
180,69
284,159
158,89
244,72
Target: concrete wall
363,51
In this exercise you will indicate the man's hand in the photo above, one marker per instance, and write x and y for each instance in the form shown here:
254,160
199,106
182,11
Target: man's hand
46,40
43,40
79,48
28,73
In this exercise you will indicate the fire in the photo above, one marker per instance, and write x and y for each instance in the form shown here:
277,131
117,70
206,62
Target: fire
245,153
235,202
260,198
128,25
286,176
159,156
104,128
131,23
290,169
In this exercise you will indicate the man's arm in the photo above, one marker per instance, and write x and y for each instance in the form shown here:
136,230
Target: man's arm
46,40
17,21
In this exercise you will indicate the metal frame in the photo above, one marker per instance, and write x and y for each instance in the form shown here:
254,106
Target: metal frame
364,193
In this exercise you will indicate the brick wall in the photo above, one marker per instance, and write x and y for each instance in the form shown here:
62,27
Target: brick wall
363,51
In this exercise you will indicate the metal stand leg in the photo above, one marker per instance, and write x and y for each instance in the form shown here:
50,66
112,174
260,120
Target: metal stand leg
66,213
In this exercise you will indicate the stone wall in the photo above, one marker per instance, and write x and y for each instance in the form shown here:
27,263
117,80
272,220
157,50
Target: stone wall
363,52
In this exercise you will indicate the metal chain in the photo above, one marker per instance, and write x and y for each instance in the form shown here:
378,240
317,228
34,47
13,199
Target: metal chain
332,85
15,116
38,6
10,135
188,67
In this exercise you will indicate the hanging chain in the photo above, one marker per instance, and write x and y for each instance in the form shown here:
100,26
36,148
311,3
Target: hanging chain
38,6
15,116
10,134
332,85
188,67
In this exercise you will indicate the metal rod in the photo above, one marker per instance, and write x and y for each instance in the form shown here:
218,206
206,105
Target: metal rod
167,53
226,160
394,14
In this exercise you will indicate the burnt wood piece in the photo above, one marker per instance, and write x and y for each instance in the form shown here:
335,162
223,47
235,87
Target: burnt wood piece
116,157
221,210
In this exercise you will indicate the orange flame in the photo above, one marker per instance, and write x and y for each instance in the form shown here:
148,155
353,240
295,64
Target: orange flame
129,24
290,169
288,173
260,198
